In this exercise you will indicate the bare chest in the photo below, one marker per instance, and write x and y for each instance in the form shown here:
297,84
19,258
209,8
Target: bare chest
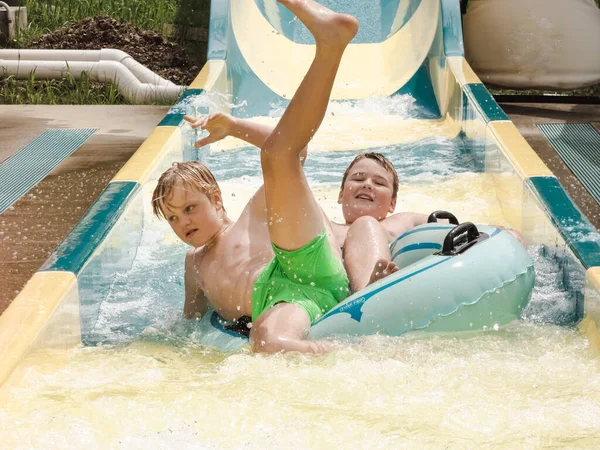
229,270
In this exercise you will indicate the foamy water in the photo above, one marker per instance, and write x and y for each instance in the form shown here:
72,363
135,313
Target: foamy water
525,386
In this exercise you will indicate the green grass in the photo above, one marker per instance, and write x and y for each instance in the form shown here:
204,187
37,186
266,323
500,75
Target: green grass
64,91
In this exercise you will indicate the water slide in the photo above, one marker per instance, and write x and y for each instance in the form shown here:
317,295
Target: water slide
404,88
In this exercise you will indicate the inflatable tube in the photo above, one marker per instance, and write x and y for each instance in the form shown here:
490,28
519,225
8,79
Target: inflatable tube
451,278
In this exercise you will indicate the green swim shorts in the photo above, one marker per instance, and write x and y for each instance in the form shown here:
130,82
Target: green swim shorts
311,277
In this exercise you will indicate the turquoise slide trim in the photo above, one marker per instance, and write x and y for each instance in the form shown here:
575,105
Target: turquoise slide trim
579,234
30,165
421,89
218,30
452,26
72,254
487,105
175,115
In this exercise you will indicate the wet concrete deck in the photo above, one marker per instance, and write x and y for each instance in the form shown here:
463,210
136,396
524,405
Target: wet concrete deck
526,116
40,220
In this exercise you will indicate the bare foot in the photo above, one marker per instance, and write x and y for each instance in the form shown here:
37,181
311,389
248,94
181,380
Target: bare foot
328,27
382,269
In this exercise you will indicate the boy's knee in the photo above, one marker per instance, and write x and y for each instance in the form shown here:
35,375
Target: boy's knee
265,340
365,222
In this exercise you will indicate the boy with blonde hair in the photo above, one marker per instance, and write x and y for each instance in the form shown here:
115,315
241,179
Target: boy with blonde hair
289,272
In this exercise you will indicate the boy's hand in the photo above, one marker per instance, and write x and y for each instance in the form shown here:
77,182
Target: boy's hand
219,126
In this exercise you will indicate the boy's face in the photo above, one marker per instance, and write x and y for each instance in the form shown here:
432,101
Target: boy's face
367,191
192,215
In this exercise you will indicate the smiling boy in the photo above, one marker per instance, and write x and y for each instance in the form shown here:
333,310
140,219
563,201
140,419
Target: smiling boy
368,193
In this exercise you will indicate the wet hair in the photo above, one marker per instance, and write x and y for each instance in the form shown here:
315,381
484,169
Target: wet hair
191,175
382,161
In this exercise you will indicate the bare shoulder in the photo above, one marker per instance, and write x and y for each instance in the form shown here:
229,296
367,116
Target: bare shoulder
193,259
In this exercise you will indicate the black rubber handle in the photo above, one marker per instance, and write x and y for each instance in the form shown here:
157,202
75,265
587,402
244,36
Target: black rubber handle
456,233
434,216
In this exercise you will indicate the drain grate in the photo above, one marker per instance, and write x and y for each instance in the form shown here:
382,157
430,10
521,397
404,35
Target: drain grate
578,144
30,165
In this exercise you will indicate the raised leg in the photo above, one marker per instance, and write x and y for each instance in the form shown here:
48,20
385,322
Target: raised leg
294,216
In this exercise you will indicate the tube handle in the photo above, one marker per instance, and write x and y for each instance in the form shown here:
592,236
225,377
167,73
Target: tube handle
461,238
434,216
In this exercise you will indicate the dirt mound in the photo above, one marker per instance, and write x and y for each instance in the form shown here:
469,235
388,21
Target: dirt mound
149,48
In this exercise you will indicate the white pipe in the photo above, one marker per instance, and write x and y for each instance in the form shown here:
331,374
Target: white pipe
135,82
144,74
11,18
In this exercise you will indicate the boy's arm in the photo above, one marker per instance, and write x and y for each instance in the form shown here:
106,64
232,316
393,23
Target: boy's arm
401,222
221,125
196,303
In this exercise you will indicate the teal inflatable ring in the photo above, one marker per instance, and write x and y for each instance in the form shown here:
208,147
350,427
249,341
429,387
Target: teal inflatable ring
476,277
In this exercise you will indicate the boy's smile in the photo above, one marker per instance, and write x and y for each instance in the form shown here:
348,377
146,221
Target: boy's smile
367,191
194,218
